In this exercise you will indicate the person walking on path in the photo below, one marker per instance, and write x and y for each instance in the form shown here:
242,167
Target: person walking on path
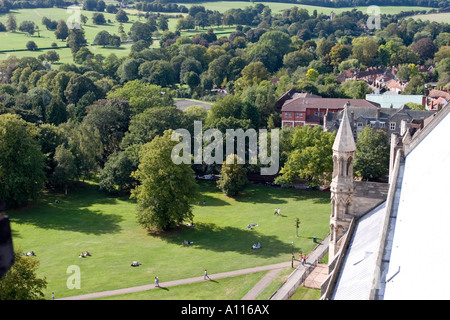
156,281
206,275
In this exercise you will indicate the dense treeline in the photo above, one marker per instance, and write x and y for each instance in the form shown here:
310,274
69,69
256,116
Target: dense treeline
160,7
355,3
6,5
94,116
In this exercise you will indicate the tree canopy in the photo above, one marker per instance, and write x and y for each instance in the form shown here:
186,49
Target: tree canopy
21,161
166,190
310,158
372,154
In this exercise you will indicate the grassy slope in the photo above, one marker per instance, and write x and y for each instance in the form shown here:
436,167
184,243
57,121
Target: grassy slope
87,220
277,7
18,39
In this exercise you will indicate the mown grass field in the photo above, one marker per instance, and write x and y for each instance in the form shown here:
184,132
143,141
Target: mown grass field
436,17
106,226
277,7
18,40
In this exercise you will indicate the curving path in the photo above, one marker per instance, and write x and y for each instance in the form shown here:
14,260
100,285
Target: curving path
281,293
251,295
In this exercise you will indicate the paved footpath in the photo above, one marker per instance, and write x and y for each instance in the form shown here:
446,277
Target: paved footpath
259,286
281,294
295,279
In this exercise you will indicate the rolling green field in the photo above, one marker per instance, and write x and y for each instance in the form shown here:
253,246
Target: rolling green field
18,40
437,17
277,7
106,226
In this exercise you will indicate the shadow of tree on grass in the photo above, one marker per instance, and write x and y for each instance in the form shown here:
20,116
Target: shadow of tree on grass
209,236
276,195
71,213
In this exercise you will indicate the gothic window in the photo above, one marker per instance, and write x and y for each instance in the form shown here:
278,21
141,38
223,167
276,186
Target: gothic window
347,207
335,166
341,166
333,209
349,163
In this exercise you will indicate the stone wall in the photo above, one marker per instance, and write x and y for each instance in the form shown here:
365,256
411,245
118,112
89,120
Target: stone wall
368,195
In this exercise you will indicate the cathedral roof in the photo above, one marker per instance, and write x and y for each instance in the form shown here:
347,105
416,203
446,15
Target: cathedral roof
387,250
344,141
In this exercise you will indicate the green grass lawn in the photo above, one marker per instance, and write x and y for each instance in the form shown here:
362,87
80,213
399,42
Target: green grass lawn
436,17
106,226
303,293
232,288
17,40
277,7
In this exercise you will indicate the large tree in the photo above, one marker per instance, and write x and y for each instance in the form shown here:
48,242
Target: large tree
21,161
121,16
76,40
372,154
27,27
365,49
153,122
62,30
85,144
111,117
142,96
233,176
65,170
310,158
11,23
166,190
21,281
141,31
103,38
115,177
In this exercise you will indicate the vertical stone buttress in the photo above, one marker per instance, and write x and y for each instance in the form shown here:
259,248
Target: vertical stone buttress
342,183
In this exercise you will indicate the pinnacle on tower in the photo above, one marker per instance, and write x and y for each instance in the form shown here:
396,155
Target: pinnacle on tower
344,141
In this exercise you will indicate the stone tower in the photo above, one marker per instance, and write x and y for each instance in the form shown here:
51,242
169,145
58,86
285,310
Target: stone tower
342,183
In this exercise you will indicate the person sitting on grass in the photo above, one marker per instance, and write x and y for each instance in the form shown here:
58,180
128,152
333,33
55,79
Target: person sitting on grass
135,264
188,242
82,255
256,246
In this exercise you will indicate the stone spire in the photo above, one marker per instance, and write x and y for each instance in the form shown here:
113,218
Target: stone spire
344,141
342,183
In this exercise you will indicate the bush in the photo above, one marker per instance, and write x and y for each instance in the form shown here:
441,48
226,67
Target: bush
31,45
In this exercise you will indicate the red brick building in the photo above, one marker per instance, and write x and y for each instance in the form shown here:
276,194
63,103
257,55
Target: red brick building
301,110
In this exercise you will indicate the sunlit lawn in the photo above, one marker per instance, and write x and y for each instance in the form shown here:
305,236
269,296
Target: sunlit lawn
106,226
18,40
278,7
